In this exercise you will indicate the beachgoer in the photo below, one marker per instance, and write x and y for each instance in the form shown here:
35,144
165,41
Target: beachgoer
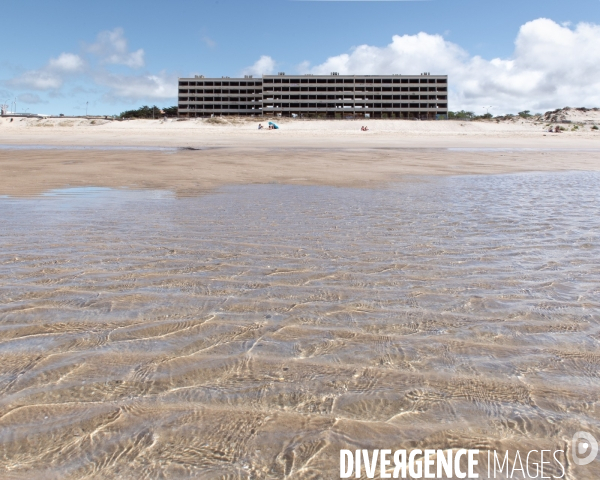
557,129
260,127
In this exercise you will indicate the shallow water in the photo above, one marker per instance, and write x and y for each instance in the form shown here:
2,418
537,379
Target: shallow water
89,147
255,331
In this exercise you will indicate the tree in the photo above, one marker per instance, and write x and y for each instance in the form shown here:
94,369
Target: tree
463,115
149,112
525,114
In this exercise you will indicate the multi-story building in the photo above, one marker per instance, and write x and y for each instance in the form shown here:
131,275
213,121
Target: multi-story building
422,96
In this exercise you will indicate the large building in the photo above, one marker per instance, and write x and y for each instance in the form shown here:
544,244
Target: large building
422,96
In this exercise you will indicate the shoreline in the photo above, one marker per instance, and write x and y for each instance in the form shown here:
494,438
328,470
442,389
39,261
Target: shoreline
195,156
194,172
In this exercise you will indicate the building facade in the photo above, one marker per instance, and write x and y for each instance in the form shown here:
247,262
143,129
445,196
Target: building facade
422,96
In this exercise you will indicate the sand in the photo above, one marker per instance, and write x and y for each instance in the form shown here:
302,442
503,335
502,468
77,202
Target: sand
314,152
255,332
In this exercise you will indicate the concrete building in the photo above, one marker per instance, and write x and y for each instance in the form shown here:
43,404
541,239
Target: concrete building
422,96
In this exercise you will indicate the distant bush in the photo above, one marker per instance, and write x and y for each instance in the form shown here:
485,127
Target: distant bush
462,115
216,120
595,127
525,114
149,112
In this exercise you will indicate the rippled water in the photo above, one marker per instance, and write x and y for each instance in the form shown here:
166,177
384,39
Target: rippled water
88,147
255,331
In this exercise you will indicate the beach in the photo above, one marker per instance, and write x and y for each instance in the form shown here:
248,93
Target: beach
202,299
192,156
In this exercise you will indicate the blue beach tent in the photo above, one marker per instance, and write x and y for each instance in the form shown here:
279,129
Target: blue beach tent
274,125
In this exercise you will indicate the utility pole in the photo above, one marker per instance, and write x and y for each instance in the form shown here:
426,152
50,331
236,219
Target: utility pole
86,106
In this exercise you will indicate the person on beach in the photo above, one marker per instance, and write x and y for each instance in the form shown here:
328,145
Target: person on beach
260,127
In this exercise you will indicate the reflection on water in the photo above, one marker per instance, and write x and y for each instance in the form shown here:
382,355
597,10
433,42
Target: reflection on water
89,147
516,149
254,332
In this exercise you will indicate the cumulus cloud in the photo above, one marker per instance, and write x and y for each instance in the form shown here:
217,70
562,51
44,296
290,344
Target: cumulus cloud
264,65
93,66
52,75
111,47
134,87
31,98
552,65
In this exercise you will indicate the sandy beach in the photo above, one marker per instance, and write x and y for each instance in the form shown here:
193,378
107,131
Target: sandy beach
244,304
203,154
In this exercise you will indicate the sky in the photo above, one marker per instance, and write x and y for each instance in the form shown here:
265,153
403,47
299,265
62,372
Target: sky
102,58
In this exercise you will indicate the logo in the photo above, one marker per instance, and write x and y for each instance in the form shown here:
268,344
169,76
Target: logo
585,448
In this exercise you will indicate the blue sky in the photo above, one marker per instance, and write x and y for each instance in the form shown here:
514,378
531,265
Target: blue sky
118,55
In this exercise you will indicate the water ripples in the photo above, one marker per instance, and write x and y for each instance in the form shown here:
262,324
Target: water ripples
253,332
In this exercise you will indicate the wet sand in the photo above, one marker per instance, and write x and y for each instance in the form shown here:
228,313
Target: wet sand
246,311
27,172
254,331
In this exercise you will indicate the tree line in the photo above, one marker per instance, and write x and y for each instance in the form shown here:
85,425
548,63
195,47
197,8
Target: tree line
465,115
149,112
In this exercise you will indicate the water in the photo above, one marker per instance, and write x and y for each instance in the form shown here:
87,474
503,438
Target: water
91,147
255,331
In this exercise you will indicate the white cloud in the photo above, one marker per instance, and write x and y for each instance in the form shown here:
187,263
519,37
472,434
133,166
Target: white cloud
133,87
52,75
552,66
66,62
264,65
111,47
32,98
